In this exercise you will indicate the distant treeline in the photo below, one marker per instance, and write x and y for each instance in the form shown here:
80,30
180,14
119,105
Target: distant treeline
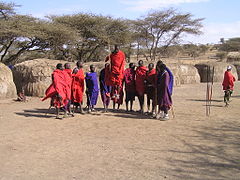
88,37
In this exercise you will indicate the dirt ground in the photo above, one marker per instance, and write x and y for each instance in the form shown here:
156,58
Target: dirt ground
119,145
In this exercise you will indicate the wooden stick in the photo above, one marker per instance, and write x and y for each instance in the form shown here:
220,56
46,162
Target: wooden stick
207,93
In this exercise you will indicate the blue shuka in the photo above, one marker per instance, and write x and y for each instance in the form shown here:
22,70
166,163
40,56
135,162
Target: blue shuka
171,80
93,89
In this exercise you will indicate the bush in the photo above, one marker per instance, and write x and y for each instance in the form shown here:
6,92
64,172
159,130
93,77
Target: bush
221,55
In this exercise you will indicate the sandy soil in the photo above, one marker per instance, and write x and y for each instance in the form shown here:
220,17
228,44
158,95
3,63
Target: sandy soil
117,145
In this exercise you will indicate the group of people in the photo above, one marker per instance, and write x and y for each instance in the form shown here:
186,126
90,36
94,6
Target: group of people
113,82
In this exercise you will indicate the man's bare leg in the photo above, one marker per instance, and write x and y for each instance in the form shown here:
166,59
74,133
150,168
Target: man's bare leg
127,106
80,108
153,109
114,105
131,105
141,102
148,105
57,113
106,108
65,113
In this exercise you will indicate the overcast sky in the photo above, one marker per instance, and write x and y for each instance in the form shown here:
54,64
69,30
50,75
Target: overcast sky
222,17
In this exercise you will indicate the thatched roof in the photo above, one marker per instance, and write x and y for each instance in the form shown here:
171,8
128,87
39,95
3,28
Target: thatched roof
234,55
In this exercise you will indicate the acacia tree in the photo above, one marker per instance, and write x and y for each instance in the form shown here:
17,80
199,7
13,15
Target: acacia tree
86,37
7,9
164,28
20,34
95,33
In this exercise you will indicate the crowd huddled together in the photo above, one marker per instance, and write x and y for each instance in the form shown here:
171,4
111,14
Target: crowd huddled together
113,83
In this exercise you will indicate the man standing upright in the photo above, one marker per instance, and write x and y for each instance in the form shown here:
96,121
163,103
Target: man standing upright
171,77
150,84
130,89
57,91
92,90
68,76
164,99
104,89
78,86
228,84
140,85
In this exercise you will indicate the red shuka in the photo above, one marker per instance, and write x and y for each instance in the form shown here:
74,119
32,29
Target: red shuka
117,68
140,78
78,86
58,86
68,77
129,79
228,81
107,75
151,77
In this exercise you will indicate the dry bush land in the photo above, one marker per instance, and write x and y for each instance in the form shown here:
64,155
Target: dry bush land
118,145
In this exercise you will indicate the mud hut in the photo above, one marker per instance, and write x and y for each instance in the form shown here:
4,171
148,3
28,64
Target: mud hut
175,70
233,57
188,74
219,69
237,66
7,86
34,76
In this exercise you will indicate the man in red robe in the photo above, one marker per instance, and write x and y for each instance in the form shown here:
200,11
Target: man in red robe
57,91
130,87
228,84
78,86
68,76
117,63
140,83
150,85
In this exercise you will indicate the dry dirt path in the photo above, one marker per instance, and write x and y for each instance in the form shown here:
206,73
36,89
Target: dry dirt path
117,145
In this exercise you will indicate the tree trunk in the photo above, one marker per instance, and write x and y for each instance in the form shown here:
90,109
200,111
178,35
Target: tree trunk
6,50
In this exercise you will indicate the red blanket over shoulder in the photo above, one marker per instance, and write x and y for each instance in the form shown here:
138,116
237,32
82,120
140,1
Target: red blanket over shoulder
68,77
117,68
151,77
140,78
78,86
58,86
228,81
107,78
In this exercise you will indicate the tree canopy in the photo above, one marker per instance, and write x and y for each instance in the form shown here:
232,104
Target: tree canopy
232,44
87,37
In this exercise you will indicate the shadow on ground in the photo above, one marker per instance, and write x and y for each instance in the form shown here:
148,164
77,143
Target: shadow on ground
215,154
40,113
49,113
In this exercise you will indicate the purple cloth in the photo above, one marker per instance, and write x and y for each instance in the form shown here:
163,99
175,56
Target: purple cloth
104,89
171,79
164,99
105,99
93,89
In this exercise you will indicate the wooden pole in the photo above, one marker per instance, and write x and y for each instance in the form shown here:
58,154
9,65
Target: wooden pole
207,92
